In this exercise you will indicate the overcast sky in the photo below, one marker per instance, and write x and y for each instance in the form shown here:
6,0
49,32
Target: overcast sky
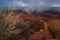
29,3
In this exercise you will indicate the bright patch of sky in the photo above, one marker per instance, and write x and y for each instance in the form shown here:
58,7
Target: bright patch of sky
29,3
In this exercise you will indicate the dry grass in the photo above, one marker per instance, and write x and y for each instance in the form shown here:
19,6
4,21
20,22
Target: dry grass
55,28
11,25
15,27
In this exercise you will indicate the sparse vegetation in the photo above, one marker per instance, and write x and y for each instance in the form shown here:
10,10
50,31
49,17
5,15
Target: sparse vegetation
55,28
11,26
20,26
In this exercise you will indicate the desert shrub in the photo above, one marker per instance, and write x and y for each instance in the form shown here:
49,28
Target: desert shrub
36,25
13,28
54,28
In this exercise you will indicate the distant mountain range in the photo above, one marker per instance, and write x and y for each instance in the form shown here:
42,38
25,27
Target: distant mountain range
39,9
